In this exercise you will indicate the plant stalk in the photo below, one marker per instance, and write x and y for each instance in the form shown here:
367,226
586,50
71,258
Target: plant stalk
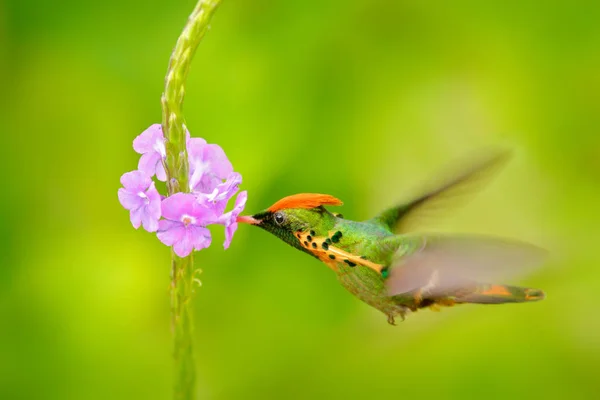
176,166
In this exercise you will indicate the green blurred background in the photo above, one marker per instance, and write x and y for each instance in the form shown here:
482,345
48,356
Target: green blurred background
362,99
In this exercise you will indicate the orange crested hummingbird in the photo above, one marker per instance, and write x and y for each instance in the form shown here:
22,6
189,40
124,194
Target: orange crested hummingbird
388,266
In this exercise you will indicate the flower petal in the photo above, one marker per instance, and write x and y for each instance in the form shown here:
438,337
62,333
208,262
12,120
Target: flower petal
197,171
240,202
184,246
170,232
195,148
129,200
197,165
148,163
149,223
175,206
200,237
208,165
230,217
154,207
151,209
229,220
204,213
136,217
219,163
146,140
161,175
233,180
229,231
135,181
228,188
207,183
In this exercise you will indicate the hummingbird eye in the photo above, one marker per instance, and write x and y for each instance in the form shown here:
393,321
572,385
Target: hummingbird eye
279,218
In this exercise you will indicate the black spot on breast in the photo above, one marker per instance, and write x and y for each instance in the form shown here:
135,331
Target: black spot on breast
309,238
314,245
325,245
350,263
336,237
313,233
332,256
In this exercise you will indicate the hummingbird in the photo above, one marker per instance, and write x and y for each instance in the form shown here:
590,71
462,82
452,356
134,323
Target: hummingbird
388,264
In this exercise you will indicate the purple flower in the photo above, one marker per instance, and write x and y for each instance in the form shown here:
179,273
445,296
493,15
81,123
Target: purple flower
151,145
230,219
141,198
184,224
208,165
185,215
218,199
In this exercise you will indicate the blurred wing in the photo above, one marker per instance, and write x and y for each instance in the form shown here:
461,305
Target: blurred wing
406,217
442,264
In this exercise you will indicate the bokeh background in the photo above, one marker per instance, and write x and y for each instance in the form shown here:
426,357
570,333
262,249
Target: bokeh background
363,99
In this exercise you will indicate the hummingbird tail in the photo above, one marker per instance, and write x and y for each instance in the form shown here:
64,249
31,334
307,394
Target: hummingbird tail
498,294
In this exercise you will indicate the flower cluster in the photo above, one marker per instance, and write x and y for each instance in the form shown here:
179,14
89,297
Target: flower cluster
180,220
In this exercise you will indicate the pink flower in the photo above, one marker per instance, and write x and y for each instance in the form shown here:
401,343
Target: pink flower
230,219
151,145
141,198
218,199
185,215
208,165
184,224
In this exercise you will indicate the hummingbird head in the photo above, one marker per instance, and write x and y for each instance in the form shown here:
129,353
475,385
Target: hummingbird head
293,214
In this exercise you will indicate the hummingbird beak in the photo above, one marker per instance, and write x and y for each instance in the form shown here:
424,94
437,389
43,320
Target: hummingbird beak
246,219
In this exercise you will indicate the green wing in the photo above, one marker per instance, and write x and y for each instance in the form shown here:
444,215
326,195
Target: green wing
405,217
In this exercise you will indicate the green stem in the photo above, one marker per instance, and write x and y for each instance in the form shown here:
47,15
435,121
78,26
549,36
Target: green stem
176,166
182,281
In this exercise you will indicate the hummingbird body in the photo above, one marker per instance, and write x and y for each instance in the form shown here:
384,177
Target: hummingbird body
396,272
354,251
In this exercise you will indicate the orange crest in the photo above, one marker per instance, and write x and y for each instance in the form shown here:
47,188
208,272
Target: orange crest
305,200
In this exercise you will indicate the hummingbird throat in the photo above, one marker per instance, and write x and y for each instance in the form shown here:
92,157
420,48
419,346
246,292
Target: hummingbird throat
325,249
